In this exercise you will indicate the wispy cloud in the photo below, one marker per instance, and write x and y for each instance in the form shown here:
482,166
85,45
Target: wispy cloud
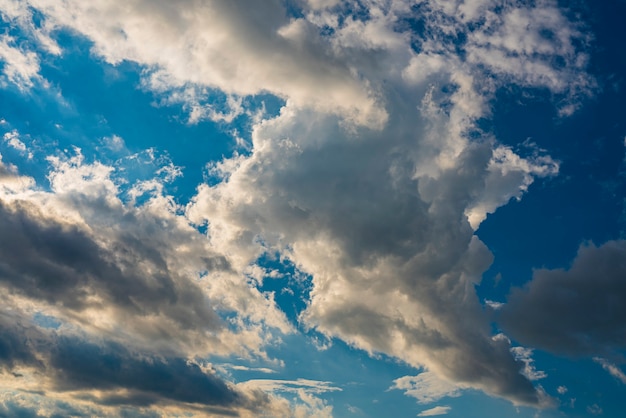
615,371
438,410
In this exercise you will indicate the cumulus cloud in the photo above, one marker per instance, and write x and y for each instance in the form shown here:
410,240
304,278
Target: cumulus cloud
69,374
306,391
20,67
579,310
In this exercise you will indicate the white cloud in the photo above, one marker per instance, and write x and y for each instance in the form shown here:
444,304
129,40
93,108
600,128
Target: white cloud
438,410
562,390
11,183
138,243
525,355
509,177
114,142
251,369
493,304
13,140
21,67
426,387
21,61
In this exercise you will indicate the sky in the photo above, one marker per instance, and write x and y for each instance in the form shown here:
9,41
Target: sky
312,208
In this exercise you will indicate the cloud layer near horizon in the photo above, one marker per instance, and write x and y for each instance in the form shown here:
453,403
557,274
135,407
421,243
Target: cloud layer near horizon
372,179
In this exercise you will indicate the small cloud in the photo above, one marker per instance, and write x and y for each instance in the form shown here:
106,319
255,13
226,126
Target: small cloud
525,356
114,142
249,369
594,409
13,140
562,390
438,410
354,410
493,304
426,387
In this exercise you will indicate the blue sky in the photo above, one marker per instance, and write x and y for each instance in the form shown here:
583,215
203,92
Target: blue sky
312,208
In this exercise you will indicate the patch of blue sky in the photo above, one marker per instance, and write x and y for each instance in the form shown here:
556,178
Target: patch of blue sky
46,321
364,380
290,286
581,204
580,388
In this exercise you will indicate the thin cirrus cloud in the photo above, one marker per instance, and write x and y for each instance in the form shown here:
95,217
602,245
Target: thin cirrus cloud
374,185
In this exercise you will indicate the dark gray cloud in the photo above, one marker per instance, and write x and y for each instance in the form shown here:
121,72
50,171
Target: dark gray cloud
14,410
48,260
82,365
578,311
72,363
15,346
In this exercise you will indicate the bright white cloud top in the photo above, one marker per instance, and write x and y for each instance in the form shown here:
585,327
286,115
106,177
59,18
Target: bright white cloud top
367,186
